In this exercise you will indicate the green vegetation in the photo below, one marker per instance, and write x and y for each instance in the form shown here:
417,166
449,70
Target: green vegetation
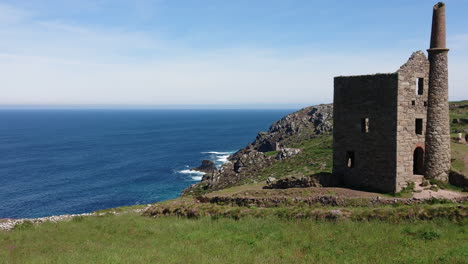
316,156
406,192
446,185
358,209
130,238
460,158
459,113
271,153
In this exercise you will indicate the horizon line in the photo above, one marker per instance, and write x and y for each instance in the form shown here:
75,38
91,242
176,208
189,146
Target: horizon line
250,106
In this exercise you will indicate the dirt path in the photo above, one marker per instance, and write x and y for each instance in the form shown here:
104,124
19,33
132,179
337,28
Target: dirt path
440,194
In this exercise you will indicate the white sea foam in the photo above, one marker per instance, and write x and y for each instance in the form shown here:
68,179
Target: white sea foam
193,172
219,157
223,158
197,178
217,153
195,175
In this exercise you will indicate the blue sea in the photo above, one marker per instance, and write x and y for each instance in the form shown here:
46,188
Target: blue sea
75,161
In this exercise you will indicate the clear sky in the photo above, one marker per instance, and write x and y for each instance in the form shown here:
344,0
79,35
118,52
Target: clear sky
211,52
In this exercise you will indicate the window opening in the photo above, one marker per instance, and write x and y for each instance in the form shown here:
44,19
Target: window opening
350,159
419,126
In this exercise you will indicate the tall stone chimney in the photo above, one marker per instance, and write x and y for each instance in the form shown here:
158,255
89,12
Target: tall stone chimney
437,157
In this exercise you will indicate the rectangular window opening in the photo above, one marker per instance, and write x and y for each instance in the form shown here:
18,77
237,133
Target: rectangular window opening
419,126
413,102
350,159
365,125
420,86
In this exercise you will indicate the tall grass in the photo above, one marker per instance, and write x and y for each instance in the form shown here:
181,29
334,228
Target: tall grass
131,238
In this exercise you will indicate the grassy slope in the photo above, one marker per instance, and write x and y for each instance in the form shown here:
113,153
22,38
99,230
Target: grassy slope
459,152
130,238
315,157
458,113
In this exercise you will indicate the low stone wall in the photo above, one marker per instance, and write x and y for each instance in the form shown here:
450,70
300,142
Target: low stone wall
458,179
327,200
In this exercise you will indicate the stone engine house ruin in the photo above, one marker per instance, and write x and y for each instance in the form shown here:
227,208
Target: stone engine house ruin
390,127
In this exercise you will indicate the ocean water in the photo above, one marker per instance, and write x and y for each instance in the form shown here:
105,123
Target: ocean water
75,161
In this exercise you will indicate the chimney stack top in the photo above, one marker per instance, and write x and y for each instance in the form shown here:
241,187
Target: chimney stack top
438,34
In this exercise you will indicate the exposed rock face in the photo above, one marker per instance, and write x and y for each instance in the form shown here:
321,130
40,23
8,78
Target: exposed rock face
250,160
317,180
303,124
207,166
286,153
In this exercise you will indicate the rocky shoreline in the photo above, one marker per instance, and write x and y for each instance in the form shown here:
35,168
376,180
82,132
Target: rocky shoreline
8,224
267,148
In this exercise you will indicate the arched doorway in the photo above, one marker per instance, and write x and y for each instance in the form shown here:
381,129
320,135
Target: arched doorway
418,161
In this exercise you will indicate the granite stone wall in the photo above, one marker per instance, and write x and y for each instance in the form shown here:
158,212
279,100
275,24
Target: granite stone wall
375,128
412,105
364,129
438,127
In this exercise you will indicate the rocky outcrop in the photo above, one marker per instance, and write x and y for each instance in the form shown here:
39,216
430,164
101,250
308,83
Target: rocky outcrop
304,124
207,166
316,180
286,153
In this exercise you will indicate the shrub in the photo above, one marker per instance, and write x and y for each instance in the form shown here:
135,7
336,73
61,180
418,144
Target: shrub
430,235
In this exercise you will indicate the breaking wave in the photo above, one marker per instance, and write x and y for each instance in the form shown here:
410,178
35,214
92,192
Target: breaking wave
218,157
195,175
218,153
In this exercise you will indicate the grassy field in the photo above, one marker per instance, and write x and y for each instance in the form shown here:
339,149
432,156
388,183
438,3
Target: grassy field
458,113
460,158
130,238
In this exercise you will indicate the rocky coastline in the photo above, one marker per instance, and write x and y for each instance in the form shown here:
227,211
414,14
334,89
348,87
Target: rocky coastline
8,224
267,148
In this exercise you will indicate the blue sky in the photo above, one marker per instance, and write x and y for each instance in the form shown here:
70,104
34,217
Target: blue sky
255,53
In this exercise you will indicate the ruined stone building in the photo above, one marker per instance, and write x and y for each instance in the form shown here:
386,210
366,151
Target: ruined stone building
390,127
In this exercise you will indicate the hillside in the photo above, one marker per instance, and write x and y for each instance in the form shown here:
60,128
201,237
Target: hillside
286,138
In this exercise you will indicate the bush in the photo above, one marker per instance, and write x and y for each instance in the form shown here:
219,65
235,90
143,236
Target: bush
430,235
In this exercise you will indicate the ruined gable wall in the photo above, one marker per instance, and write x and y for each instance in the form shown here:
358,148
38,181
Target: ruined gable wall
374,97
407,139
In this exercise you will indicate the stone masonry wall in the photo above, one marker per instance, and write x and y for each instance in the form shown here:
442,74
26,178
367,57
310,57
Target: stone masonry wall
438,127
411,105
373,97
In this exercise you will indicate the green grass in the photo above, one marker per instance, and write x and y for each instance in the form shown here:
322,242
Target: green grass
316,156
459,154
130,238
446,185
271,153
458,113
406,192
